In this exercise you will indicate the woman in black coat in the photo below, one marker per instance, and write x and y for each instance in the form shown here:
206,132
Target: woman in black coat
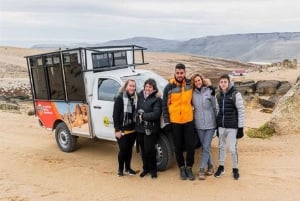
149,109
123,117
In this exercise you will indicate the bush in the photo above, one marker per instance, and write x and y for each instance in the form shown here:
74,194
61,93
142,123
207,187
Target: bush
30,113
262,132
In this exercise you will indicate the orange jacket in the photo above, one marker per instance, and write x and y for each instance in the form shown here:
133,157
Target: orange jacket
177,102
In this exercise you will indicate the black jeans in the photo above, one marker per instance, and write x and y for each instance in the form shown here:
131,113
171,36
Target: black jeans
147,143
125,143
184,139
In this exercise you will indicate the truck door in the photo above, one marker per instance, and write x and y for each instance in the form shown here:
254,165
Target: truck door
104,92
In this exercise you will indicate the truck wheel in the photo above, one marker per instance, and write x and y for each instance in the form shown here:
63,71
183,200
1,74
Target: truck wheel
164,153
65,141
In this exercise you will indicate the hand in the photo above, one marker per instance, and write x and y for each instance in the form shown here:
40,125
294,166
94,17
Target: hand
240,133
213,92
118,134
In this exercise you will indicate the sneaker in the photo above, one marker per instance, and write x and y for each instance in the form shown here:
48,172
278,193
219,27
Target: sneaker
182,173
201,174
130,172
144,173
189,173
220,171
210,170
235,173
120,173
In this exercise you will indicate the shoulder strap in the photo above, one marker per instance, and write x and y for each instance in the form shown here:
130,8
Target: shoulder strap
234,96
218,96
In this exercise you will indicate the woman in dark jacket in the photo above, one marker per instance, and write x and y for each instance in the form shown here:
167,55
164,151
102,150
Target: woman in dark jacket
123,117
149,108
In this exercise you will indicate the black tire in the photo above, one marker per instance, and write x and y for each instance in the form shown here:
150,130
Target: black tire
164,153
65,141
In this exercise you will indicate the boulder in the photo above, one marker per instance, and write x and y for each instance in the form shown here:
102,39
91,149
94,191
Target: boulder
283,88
245,87
267,103
251,101
267,87
286,116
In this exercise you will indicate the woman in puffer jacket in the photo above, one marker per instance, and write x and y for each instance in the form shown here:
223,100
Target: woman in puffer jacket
149,109
205,112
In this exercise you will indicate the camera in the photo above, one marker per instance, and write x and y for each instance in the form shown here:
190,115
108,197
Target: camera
143,122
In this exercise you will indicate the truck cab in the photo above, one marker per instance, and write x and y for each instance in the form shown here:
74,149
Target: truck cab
73,93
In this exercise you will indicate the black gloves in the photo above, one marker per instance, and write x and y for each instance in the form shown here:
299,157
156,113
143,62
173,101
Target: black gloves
213,92
240,133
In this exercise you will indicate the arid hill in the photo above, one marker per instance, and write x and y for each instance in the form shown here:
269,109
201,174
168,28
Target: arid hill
13,64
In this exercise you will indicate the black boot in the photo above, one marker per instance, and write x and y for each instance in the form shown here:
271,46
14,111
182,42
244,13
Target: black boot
189,173
182,173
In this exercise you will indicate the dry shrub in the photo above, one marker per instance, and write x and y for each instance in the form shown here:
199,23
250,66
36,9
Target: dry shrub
265,131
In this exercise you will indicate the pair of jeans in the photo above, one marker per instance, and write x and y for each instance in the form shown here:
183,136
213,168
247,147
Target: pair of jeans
205,136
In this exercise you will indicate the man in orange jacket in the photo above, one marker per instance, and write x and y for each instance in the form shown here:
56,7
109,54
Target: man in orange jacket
178,114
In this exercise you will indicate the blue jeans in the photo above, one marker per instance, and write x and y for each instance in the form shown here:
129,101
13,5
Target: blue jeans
206,136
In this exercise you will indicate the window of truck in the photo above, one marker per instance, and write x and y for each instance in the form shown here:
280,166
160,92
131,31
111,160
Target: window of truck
74,77
108,89
53,66
109,59
38,77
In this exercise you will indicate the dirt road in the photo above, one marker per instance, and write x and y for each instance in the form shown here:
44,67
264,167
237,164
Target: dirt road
33,168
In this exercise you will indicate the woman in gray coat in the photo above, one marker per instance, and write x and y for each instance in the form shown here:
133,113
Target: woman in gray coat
204,103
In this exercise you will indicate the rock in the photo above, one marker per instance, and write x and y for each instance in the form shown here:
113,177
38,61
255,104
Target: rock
266,102
285,118
251,101
275,98
283,88
245,87
9,106
266,110
267,87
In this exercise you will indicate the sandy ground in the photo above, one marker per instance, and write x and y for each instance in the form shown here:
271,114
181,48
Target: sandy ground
33,168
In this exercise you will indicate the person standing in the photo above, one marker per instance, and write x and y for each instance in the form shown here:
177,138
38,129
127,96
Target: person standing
230,122
205,112
123,118
178,112
149,108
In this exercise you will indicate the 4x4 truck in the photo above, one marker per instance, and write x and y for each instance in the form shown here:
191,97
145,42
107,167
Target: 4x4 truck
73,93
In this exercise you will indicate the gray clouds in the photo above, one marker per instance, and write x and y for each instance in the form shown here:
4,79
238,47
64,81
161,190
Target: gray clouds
98,21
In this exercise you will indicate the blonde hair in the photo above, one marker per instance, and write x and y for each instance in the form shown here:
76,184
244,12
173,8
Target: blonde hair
123,88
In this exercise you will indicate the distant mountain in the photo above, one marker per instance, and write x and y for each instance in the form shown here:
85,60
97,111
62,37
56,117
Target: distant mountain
264,47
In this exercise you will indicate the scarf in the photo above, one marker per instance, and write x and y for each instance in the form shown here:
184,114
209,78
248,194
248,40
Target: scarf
130,104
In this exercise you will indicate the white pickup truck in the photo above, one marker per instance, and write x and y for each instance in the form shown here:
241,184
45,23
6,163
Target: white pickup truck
73,93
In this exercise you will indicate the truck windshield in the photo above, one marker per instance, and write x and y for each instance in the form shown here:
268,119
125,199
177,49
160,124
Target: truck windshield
141,77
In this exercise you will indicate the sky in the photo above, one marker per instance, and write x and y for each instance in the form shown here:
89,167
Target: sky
28,22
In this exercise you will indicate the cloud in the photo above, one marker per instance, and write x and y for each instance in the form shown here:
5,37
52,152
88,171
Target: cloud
96,20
